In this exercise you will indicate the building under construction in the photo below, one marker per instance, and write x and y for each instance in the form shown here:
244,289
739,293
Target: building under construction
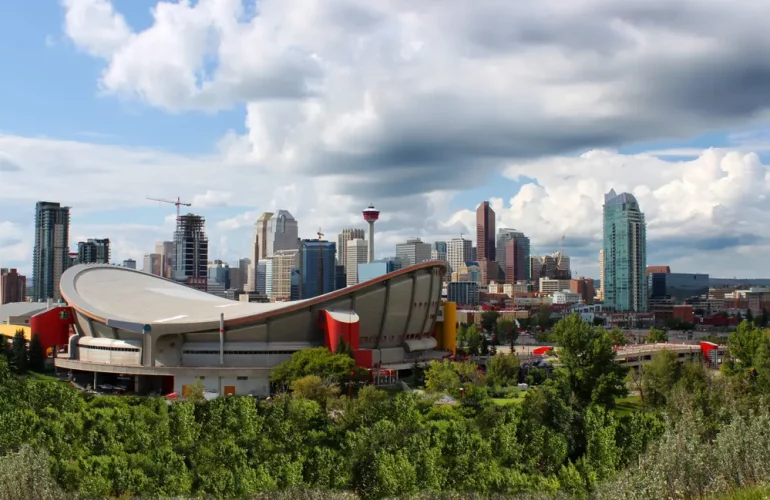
192,251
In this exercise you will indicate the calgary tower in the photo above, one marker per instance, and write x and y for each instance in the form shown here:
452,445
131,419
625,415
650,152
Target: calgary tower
371,215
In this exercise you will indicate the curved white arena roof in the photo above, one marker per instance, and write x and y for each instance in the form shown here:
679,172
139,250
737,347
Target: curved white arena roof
131,299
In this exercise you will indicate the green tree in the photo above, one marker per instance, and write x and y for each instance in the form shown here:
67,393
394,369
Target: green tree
5,372
36,354
503,370
762,319
659,377
344,348
462,336
543,317
449,376
195,392
656,335
314,388
441,377
587,355
762,365
19,353
418,373
474,340
618,337
749,315
602,454
489,320
743,343
317,361
508,333
5,350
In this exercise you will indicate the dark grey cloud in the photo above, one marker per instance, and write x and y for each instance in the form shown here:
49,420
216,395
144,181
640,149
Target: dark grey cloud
704,243
659,94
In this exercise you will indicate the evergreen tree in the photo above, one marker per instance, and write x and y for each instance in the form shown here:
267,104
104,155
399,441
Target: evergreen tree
749,315
5,351
36,355
19,353
344,348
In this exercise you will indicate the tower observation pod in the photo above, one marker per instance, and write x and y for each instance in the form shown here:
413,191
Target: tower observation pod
371,215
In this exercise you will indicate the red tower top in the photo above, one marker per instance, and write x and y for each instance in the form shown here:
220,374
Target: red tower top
371,214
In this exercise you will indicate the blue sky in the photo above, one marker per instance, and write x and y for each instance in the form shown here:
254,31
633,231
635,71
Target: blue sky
494,142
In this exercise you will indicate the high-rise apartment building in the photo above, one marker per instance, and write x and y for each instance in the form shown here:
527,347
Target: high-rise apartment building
458,253
414,251
342,245
51,254
94,251
129,264
485,232
520,269
284,262
192,251
262,230
317,266
601,275
13,286
153,264
625,253
357,252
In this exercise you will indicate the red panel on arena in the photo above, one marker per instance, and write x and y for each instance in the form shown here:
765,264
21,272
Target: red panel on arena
340,325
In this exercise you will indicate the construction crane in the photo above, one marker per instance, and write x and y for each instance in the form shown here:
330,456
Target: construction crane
178,203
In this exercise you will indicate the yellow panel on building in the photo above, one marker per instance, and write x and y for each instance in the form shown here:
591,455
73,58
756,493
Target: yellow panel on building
10,331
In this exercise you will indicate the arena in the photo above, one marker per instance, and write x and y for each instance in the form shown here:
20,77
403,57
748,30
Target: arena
147,334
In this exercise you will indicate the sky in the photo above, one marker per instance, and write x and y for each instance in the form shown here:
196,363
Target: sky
424,109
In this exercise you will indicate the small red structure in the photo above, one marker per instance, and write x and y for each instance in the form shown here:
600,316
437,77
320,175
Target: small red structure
708,349
542,351
53,326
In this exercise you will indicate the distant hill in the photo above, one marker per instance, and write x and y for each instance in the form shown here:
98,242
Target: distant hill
721,282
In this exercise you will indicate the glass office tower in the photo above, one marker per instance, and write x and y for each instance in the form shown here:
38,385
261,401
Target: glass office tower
318,267
625,253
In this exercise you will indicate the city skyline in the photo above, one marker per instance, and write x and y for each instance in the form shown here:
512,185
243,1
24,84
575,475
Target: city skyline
542,137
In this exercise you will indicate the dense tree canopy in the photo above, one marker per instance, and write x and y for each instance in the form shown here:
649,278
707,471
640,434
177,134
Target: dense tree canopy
587,356
705,434
318,361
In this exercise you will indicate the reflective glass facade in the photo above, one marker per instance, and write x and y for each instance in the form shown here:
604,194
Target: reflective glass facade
374,270
677,286
318,267
625,253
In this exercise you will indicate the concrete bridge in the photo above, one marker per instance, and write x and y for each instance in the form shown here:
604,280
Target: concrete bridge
631,355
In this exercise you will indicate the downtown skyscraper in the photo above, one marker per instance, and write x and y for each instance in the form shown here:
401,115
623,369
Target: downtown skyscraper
485,232
624,253
50,256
